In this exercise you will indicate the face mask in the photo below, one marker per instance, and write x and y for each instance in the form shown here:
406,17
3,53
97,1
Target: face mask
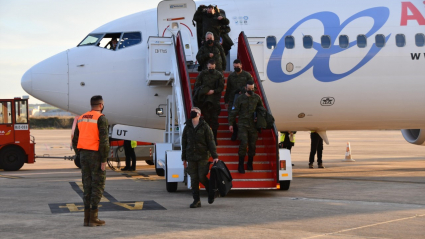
211,70
209,42
210,14
193,114
249,92
237,69
102,109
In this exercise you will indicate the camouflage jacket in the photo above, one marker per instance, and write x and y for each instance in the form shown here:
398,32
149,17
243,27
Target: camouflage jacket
208,81
102,125
219,57
198,143
210,23
236,82
245,106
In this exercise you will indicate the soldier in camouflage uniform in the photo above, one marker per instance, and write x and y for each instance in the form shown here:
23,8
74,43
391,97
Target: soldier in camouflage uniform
210,20
245,106
236,82
197,146
211,50
211,83
94,133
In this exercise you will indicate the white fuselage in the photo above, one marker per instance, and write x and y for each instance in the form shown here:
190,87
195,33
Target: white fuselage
371,88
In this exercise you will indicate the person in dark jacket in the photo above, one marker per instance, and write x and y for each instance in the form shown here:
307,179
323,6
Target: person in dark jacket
211,20
316,146
211,51
197,147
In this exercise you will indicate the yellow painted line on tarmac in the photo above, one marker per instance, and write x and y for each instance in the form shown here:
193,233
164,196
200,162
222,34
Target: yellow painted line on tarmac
136,205
80,185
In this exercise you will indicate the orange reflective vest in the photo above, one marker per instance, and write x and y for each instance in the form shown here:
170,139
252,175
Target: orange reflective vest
89,132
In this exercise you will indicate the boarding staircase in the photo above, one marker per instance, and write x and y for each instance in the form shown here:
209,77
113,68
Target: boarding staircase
268,172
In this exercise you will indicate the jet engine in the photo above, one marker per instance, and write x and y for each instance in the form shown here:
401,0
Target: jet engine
414,136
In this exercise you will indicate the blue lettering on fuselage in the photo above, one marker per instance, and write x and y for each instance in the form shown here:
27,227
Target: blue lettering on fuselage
320,63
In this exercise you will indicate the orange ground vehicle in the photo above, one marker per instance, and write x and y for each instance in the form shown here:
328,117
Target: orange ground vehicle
16,146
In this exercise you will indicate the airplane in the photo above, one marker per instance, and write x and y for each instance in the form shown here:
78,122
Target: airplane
334,88
323,65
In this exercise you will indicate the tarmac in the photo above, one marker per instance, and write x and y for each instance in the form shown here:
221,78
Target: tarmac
380,195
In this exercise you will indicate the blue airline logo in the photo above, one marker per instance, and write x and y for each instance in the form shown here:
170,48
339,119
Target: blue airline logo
320,63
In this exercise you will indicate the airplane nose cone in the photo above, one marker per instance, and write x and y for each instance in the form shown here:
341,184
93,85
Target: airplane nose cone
26,82
48,80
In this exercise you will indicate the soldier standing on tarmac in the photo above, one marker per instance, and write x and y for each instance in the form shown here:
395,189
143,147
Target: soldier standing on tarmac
211,50
197,146
211,85
235,82
91,142
246,106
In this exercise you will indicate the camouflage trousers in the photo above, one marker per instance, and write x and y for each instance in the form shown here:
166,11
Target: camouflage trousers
211,113
198,171
93,177
248,137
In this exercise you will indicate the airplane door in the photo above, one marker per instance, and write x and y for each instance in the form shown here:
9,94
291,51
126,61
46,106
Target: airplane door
177,15
257,48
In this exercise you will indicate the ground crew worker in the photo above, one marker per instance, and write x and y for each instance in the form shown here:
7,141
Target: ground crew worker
197,147
210,20
235,83
211,83
129,146
316,146
91,142
211,50
245,106
287,140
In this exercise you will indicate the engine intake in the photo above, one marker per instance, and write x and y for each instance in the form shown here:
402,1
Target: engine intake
414,136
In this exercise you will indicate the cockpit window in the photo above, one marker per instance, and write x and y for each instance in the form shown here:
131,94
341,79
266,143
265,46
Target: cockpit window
91,39
110,41
129,39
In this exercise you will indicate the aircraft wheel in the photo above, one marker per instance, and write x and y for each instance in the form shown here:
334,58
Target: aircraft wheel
149,162
12,158
77,161
171,187
284,185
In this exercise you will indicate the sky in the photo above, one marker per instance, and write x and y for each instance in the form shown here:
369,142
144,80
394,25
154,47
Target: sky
33,30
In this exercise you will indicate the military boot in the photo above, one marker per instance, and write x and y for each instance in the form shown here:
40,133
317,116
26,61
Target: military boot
320,165
196,201
241,166
86,217
94,221
249,164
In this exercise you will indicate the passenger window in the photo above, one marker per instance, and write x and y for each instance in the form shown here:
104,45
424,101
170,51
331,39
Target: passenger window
380,40
271,42
361,41
326,41
343,41
5,112
129,39
289,42
110,41
420,39
308,42
91,39
21,112
400,40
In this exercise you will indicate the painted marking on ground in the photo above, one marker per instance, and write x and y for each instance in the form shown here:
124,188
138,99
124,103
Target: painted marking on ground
107,206
146,174
370,225
107,203
9,177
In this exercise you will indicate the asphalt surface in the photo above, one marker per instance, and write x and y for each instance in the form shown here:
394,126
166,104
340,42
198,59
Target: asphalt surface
380,195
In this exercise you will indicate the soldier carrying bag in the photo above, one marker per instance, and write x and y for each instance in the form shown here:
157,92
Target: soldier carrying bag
220,179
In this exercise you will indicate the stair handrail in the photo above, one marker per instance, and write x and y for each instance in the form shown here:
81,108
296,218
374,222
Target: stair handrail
248,64
184,74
